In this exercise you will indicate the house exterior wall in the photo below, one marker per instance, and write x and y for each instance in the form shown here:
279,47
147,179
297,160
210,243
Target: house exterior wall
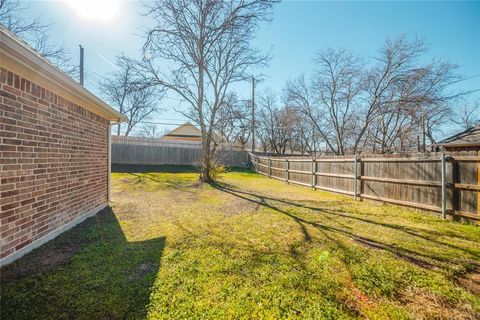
54,165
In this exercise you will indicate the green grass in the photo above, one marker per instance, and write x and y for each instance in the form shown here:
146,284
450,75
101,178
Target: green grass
247,247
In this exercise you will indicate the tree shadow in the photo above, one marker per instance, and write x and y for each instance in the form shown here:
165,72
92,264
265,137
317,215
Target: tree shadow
134,168
424,259
91,271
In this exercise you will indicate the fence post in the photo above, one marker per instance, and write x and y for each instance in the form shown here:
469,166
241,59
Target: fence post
360,173
269,167
444,187
314,170
288,168
355,175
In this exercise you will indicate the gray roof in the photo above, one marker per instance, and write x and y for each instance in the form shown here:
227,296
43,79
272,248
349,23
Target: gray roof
469,137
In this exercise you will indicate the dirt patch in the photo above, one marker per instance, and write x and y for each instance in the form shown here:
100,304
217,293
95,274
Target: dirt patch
237,206
361,302
129,211
471,280
45,262
51,255
142,270
195,185
426,305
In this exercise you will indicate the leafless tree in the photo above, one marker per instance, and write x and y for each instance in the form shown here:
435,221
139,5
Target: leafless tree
306,139
468,115
276,124
35,33
385,106
149,130
130,96
141,104
118,85
233,121
399,81
334,95
300,96
207,46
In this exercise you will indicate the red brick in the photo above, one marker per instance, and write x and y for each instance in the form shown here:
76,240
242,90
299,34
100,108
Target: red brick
55,161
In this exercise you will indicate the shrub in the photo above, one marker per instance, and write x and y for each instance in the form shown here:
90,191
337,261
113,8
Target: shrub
216,171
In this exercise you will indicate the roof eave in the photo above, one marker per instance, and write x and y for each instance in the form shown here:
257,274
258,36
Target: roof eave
472,144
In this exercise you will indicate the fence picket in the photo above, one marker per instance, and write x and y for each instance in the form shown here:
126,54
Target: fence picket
434,182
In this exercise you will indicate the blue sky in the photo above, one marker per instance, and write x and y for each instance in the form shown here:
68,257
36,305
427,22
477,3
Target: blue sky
298,30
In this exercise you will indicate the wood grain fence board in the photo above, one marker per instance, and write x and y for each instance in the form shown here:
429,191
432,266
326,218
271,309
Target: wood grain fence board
171,155
411,180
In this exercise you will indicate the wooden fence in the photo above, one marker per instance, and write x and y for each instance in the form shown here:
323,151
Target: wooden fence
155,142
444,183
141,151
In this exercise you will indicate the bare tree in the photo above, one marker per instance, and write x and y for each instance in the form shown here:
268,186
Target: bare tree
233,122
305,138
300,96
130,96
149,130
276,124
395,101
206,44
141,104
400,82
468,115
334,90
35,33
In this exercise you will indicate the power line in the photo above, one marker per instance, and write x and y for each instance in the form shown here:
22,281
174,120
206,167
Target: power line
463,79
162,123
169,119
462,94
179,124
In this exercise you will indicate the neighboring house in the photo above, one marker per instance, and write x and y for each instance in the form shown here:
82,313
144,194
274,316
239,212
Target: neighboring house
186,131
54,151
468,140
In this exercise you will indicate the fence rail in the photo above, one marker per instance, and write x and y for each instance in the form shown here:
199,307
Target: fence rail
444,183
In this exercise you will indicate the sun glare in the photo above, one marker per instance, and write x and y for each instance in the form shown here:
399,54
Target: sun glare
98,10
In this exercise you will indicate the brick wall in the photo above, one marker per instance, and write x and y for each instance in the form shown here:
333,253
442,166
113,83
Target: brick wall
54,162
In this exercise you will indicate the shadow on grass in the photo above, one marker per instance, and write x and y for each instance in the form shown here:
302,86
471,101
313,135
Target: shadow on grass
91,271
133,168
422,259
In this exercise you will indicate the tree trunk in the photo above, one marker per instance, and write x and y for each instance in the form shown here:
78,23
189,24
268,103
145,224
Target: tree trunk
206,159
206,162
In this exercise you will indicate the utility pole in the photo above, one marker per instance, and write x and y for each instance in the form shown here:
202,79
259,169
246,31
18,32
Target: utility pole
253,114
81,64
423,134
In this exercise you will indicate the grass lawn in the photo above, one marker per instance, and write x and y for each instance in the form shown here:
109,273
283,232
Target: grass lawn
247,247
